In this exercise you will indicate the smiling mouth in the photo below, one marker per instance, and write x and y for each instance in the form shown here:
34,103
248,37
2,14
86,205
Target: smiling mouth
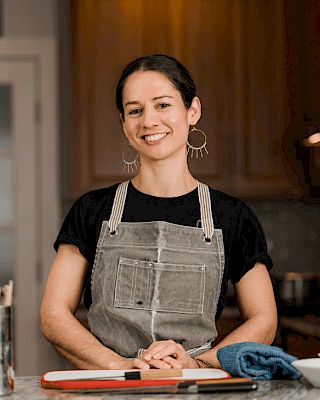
155,137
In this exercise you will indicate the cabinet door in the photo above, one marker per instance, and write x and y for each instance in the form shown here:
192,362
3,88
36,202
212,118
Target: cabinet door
261,111
235,52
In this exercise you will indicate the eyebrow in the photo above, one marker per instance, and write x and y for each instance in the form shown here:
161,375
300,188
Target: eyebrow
128,103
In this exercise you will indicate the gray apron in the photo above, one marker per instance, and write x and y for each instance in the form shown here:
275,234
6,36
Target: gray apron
156,280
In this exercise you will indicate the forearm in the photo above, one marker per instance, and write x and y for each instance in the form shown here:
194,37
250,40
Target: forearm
77,362
61,298
75,342
259,328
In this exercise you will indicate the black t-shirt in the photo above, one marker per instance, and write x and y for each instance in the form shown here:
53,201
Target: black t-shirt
243,237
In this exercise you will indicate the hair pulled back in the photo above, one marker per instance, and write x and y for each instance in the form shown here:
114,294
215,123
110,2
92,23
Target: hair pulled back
177,74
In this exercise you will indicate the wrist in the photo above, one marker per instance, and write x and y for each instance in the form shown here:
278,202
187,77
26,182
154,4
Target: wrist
118,363
203,364
193,363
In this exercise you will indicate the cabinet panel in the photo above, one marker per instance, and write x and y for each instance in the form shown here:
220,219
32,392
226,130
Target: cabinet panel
236,53
208,53
260,167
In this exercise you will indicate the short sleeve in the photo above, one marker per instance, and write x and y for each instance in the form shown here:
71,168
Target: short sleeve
249,245
76,228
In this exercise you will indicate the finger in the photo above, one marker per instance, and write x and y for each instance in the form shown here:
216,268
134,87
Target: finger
160,364
170,350
179,358
173,362
157,347
138,363
156,344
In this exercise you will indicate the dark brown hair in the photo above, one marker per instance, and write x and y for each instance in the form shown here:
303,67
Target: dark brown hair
177,74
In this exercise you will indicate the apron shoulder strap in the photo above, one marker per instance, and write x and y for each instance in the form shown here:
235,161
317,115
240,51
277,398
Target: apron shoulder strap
117,207
205,211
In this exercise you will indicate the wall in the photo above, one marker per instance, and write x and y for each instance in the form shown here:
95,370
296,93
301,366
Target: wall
29,18
33,20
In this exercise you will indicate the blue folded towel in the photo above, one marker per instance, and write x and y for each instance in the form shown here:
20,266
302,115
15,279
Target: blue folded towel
257,361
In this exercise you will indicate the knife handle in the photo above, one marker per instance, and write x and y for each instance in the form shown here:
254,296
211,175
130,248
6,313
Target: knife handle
154,374
223,380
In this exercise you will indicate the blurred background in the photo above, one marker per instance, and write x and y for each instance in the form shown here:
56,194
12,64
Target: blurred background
257,68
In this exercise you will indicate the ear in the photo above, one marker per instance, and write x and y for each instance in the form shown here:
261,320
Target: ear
194,111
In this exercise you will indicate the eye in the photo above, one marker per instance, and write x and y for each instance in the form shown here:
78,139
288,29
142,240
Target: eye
135,111
162,105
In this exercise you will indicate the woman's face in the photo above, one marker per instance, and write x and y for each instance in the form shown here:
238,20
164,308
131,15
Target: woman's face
156,121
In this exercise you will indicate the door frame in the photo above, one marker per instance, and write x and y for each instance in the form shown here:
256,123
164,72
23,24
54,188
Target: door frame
41,52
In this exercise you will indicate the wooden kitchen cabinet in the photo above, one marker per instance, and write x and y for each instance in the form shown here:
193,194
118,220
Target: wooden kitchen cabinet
236,52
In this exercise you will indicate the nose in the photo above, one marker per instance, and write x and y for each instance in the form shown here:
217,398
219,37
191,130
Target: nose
150,118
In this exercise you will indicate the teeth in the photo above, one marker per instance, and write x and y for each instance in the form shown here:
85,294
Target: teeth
157,136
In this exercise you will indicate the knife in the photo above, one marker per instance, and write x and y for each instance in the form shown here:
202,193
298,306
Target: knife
233,384
133,375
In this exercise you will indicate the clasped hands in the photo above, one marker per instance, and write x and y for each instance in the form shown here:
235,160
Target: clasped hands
165,354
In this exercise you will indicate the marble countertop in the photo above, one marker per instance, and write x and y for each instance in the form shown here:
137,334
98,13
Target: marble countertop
28,388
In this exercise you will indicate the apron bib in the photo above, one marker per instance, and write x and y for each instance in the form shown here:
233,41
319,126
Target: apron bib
156,280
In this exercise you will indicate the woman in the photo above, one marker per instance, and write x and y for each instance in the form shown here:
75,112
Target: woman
159,250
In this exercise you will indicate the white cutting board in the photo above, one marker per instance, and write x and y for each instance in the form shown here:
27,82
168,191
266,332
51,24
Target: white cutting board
194,374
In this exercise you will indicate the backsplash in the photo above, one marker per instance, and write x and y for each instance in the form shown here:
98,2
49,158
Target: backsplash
292,229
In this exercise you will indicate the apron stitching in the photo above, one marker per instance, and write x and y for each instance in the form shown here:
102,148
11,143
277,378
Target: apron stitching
161,265
155,299
164,223
221,270
149,288
203,292
97,258
171,247
102,235
133,284
154,304
174,310
116,287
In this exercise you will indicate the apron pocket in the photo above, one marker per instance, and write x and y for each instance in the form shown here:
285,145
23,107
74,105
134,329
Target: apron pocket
158,286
